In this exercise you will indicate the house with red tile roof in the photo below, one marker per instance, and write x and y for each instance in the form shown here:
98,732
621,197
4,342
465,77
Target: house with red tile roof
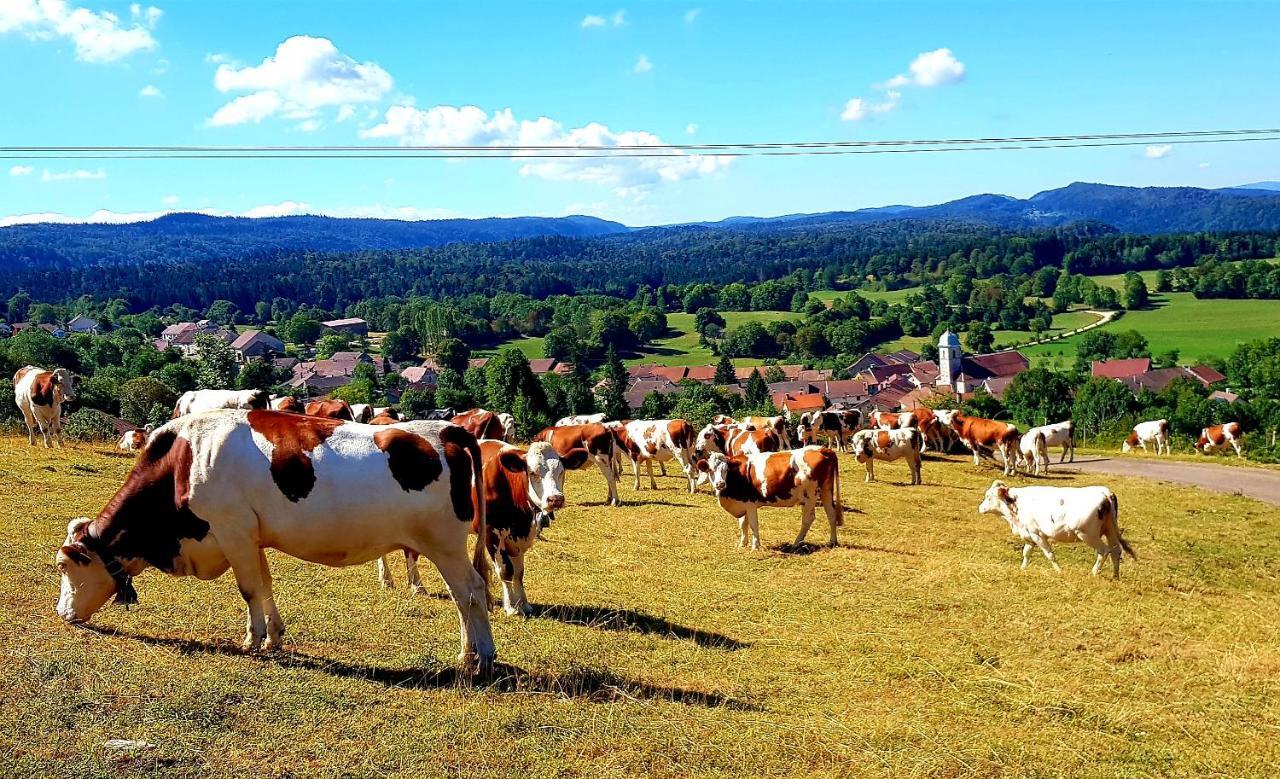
1120,369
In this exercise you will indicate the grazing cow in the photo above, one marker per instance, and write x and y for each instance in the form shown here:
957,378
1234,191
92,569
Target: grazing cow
1059,434
362,412
134,440
647,440
287,403
211,491
1219,437
796,477
484,424
195,401
924,419
331,409
889,420
1039,515
984,436
733,440
1155,431
599,443
386,416
827,425
580,419
776,423
1033,451
889,445
522,492
40,394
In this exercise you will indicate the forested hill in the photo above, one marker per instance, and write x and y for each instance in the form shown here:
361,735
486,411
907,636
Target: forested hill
198,237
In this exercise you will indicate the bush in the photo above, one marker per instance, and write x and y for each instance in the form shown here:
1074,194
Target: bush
140,397
89,424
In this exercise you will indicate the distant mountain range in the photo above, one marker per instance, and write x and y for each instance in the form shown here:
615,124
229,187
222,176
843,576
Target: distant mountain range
200,237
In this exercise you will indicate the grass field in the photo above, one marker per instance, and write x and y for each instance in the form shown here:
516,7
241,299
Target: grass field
916,648
681,347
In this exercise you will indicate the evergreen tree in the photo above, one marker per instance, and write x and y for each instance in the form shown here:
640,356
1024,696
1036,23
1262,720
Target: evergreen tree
724,371
613,395
757,393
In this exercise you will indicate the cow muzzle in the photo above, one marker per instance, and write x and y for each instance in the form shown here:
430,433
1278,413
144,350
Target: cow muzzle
554,502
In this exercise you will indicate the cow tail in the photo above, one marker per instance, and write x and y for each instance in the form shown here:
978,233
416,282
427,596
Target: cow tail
479,558
836,490
1114,504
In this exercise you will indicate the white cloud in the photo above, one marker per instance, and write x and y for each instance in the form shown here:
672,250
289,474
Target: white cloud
150,90
345,112
219,58
473,126
593,20
859,108
73,175
99,36
309,125
619,18
21,170
691,128
304,75
1204,165
169,200
930,69
1158,152
691,15
285,208
643,65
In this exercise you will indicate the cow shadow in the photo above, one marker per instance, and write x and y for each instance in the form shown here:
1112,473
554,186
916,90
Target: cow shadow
592,685
806,548
630,621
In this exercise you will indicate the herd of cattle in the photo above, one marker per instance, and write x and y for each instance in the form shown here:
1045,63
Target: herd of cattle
235,472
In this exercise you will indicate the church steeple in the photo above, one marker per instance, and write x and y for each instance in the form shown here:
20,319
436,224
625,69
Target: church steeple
949,358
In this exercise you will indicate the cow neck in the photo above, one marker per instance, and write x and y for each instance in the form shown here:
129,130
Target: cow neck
507,500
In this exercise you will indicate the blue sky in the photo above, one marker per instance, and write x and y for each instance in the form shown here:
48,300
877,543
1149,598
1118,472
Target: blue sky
105,72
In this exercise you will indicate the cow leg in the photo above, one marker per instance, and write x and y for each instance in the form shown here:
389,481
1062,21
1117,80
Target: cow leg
916,478
510,561
871,471
662,466
57,430
1236,445
829,502
753,519
411,573
275,625
384,574
1026,552
30,419
635,469
742,531
606,470
1043,543
246,563
466,587
653,485
44,431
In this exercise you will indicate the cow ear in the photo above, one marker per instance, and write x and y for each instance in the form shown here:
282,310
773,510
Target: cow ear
575,458
702,466
55,378
513,461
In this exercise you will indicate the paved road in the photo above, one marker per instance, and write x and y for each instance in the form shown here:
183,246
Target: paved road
1257,483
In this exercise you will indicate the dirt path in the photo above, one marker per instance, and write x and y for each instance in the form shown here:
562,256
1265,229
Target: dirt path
1257,483
1103,318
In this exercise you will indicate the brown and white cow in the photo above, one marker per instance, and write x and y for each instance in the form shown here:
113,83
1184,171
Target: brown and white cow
1039,515
580,419
777,424
889,445
387,416
733,440
522,492
1154,431
983,436
486,424
287,403
650,440
133,440
825,427
599,443
1219,437
796,477
39,395
195,401
211,491
331,409
362,412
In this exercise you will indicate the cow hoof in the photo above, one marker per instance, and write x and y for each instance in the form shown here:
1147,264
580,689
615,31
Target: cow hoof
251,644
272,644
417,589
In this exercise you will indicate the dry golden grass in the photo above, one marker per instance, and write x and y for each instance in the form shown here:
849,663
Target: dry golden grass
917,648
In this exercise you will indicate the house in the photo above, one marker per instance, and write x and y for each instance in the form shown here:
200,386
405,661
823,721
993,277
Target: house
640,389
284,363
963,374
256,345
792,388
543,365
704,373
1120,369
182,336
903,357
1206,374
1223,395
996,386
5,330
421,377
866,362
350,326
1160,378
323,376
477,362
848,392
798,403
882,375
82,324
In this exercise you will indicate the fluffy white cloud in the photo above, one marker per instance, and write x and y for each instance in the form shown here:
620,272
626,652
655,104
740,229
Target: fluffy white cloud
691,15
691,128
304,75
643,65
21,170
593,20
930,69
617,19
150,90
99,36
859,108
286,208
1158,152
473,126
73,175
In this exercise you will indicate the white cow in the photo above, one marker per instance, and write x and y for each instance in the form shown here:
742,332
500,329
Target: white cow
1060,434
1033,453
1156,430
39,395
580,419
195,401
212,491
889,445
1039,515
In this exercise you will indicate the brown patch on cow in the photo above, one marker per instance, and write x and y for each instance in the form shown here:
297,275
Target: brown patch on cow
624,441
460,448
481,424
681,433
42,387
506,494
292,439
882,440
77,554
1132,440
823,465
383,419
291,405
149,516
330,409
414,462
593,437
779,477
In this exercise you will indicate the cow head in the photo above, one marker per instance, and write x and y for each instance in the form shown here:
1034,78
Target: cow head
545,471
260,399
864,447
709,440
64,385
716,467
946,416
998,500
1130,442
804,427
86,581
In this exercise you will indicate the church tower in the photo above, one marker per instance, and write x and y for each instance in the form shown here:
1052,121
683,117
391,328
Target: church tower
949,359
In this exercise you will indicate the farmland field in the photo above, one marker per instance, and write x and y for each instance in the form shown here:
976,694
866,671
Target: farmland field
916,648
